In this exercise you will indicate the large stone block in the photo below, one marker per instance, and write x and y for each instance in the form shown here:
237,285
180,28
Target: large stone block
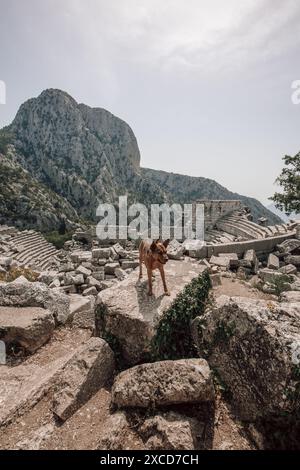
163,383
28,327
22,293
85,373
255,347
127,313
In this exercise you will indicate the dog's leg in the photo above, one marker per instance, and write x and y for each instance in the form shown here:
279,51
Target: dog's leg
141,267
149,272
163,278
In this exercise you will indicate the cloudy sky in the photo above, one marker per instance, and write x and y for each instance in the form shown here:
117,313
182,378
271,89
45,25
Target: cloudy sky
204,84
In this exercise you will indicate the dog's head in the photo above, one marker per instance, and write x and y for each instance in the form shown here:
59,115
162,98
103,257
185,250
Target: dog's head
159,250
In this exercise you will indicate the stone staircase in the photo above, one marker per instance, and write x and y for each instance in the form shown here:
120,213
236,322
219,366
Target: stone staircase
32,248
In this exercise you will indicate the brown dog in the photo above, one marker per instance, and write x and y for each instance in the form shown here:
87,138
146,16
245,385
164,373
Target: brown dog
154,255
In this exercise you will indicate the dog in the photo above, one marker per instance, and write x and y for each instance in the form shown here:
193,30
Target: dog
154,255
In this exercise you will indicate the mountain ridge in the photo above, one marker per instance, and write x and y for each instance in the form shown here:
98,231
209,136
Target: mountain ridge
87,155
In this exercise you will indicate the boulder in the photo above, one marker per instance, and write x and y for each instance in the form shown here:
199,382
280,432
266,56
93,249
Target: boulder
66,267
98,253
116,430
273,262
288,269
220,261
47,277
254,345
92,282
90,291
195,248
127,264
175,250
120,274
82,311
289,246
269,275
110,268
23,293
119,250
28,327
99,274
74,279
5,261
232,257
83,375
171,431
126,312
163,383
84,271
293,259
250,261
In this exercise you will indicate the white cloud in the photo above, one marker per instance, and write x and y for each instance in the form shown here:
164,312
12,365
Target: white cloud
205,35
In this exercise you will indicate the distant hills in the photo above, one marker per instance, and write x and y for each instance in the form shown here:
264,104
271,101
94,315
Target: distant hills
282,215
69,157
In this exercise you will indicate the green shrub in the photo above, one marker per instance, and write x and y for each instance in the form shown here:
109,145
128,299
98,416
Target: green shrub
173,335
58,239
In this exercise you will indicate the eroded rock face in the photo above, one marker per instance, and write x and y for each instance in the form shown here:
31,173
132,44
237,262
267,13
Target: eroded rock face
22,293
254,345
85,373
163,383
126,312
28,327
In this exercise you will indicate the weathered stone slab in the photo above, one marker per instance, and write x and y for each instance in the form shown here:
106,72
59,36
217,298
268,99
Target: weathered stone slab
110,268
273,261
82,311
269,275
163,383
195,248
175,250
98,253
28,327
289,246
126,312
288,269
22,293
85,373
223,262
255,346
127,264
293,259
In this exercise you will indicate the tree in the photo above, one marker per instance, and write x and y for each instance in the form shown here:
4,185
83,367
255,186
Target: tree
289,180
